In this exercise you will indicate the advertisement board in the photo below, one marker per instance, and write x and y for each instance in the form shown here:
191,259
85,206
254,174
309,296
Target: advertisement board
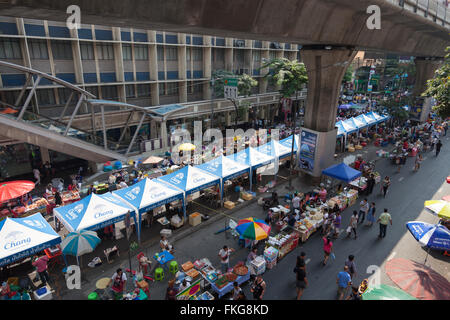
308,141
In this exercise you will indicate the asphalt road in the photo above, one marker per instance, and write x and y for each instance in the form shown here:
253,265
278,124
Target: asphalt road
404,201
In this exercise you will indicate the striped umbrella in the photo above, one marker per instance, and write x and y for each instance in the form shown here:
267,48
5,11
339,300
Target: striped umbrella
254,229
440,208
80,242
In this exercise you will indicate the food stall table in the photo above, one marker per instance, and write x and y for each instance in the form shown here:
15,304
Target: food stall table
101,285
360,183
227,288
163,258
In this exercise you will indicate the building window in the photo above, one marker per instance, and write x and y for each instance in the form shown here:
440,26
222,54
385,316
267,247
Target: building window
62,50
171,54
109,92
87,51
140,52
38,49
126,51
93,90
105,51
129,90
257,56
160,52
197,87
143,90
272,55
64,95
9,97
239,56
45,97
219,55
172,88
10,49
162,89
197,54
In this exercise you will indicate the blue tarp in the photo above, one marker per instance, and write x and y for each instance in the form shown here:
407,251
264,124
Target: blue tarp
342,172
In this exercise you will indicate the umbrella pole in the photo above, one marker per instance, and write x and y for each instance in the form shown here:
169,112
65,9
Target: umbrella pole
428,251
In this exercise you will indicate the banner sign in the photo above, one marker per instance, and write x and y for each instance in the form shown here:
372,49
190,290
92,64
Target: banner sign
307,150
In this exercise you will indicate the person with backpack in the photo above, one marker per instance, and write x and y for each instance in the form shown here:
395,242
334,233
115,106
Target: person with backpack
327,249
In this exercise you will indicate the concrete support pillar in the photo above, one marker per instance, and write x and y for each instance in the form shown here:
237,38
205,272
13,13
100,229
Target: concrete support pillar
92,167
153,133
228,119
326,68
163,134
229,54
45,156
425,69
263,82
207,53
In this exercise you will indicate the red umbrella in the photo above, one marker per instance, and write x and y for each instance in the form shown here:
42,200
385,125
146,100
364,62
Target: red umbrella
15,189
418,280
8,111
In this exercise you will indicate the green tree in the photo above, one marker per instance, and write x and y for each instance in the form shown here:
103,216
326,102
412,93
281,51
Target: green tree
394,107
291,76
245,85
438,88
348,75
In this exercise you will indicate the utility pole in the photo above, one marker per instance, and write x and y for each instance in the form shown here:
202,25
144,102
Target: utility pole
294,119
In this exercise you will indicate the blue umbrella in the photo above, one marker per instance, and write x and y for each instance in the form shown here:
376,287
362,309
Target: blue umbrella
80,242
433,236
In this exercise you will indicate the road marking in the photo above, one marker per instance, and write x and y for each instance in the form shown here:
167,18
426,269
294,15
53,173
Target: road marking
307,261
391,256
401,178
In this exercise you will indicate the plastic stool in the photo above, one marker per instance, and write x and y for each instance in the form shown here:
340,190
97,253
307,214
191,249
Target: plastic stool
173,267
159,274
93,296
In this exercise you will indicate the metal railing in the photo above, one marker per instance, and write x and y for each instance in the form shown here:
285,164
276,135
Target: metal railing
433,10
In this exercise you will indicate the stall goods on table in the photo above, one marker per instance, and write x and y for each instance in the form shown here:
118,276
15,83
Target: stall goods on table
101,188
271,256
307,226
39,205
284,243
359,183
340,200
66,196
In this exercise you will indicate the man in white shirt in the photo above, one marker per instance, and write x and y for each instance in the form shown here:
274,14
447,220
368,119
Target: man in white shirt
296,202
112,179
363,209
224,255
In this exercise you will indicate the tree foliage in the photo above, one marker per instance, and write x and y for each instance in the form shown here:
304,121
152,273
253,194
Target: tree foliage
348,75
438,88
394,107
290,75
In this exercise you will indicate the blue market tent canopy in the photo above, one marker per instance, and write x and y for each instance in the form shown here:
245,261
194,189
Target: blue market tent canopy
362,120
342,172
375,116
349,126
287,142
23,237
341,131
148,194
252,158
224,168
275,149
95,212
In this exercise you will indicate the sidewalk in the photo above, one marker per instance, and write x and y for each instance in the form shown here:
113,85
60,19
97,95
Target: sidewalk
185,239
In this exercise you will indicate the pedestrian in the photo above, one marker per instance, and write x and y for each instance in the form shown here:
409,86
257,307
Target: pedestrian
350,263
118,283
236,291
258,288
384,219
37,176
353,224
301,280
301,258
355,295
371,215
445,128
337,225
171,292
370,184
343,281
327,249
385,185
296,202
224,255
58,199
438,147
42,268
363,209
418,161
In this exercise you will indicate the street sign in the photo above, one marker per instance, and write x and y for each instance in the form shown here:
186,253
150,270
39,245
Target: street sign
369,87
230,88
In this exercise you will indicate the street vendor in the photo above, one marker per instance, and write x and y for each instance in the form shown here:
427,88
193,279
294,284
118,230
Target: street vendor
118,282
323,194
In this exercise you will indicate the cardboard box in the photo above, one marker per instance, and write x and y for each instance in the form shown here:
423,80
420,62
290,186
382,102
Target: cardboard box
247,196
229,204
187,266
195,219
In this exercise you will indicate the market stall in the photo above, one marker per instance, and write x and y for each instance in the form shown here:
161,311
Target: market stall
148,195
95,212
23,237
252,158
225,168
190,180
